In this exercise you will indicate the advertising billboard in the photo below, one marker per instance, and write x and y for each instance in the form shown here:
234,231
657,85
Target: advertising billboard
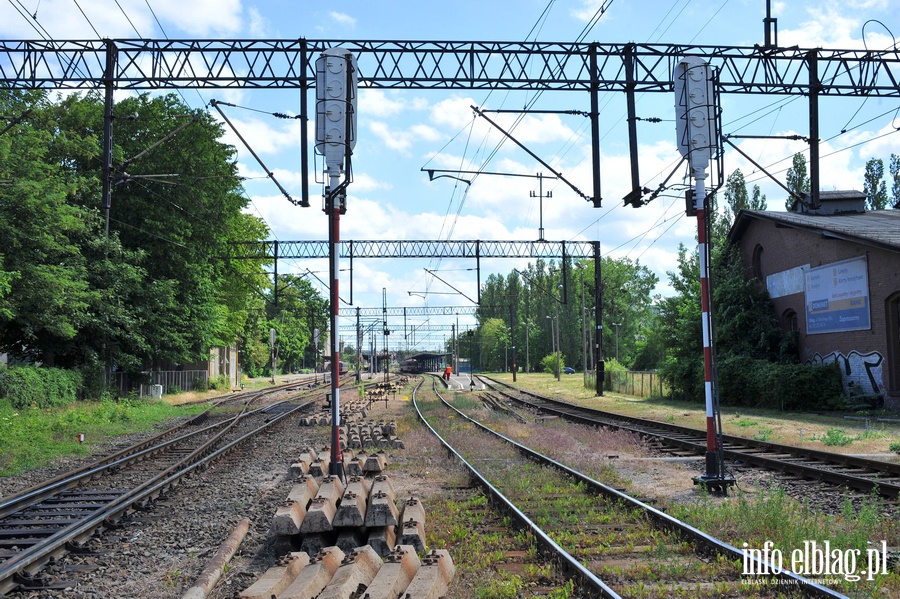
837,297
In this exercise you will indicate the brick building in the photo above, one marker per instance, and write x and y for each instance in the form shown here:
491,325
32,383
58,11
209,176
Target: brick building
833,275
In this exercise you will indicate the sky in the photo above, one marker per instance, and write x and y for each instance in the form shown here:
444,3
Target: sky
400,132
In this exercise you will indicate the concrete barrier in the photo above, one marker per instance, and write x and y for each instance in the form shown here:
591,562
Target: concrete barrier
319,516
382,540
304,490
412,525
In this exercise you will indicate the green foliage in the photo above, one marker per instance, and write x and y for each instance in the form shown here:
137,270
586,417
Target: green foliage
796,179
31,387
549,363
219,383
874,186
613,365
895,447
73,296
835,437
32,438
503,586
894,168
201,384
764,384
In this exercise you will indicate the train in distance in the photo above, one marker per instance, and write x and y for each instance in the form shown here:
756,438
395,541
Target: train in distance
344,367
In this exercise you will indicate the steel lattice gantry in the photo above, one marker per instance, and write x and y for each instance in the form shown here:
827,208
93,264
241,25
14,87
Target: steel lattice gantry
224,63
416,249
563,66
475,249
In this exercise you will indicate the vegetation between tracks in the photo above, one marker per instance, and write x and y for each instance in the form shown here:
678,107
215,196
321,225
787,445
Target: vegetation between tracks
617,541
751,516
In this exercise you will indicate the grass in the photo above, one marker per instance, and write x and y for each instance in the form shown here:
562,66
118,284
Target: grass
33,438
775,517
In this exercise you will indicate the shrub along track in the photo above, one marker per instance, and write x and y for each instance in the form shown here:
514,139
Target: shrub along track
628,548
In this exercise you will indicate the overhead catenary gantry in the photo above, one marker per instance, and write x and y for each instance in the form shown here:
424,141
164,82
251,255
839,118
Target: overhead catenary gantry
467,248
629,68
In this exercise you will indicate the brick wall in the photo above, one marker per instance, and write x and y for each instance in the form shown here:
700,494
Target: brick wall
865,356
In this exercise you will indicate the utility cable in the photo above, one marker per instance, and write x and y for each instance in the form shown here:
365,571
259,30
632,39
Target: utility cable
127,18
87,19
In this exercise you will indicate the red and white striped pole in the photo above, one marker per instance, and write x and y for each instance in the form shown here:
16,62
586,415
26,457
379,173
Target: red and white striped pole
333,205
712,441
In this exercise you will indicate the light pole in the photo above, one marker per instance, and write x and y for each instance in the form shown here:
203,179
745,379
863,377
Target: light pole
584,356
558,348
456,347
617,325
554,339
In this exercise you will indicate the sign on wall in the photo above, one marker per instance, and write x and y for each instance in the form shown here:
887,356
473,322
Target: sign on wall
837,297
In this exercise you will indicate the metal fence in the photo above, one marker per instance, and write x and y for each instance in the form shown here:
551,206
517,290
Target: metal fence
636,383
169,380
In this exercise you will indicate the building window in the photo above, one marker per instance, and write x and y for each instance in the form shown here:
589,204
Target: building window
757,262
790,320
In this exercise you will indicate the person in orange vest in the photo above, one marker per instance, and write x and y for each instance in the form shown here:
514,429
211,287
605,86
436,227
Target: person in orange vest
447,372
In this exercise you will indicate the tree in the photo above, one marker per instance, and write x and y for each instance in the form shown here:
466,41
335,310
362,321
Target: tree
874,186
494,340
6,279
895,178
49,299
156,288
736,198
680,328
797,179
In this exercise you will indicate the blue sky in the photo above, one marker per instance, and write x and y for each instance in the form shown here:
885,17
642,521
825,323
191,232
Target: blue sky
400,132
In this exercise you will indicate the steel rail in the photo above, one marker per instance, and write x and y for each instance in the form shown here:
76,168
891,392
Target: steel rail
26,563
128,455
736,448
664,520
588,579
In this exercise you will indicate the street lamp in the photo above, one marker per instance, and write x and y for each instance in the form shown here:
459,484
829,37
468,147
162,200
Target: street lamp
554,339
617,325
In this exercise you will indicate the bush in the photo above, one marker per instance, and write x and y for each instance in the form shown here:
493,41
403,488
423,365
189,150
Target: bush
836,437
30,386
763,384
201,383
549,364
219,383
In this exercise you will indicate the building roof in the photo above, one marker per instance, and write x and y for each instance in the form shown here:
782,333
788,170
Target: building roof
877,228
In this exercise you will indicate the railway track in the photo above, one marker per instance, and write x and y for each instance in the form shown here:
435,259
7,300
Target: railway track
41,523
860,474
611,544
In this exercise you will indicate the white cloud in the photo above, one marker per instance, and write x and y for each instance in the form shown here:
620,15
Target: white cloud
343,18
259,25
382,104
198,17
264,136
838,24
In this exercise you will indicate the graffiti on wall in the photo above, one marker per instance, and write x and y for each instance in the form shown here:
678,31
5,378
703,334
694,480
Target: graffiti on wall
861,372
